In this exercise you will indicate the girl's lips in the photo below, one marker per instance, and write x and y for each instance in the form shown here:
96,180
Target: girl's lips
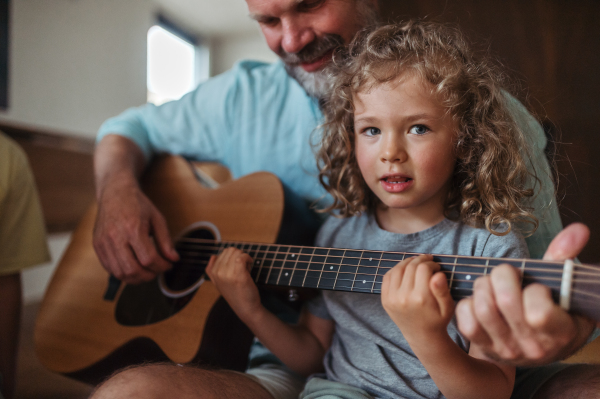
318,63
396,185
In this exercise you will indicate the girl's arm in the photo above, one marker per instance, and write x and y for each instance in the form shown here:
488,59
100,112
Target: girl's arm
420,304
300,347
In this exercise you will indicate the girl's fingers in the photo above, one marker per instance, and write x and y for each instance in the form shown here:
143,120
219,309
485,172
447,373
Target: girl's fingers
439,288
211,265
410,270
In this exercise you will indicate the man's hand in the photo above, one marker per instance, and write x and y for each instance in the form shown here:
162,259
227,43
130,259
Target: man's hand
131,237
524,327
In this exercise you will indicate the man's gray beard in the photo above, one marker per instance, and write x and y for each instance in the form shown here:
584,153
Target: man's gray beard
316,84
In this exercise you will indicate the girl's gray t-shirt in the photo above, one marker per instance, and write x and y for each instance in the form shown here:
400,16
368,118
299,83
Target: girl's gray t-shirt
368,350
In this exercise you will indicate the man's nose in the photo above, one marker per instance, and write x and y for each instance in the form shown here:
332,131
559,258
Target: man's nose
296,34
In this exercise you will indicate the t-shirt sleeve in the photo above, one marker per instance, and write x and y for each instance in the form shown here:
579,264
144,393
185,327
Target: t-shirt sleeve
22,230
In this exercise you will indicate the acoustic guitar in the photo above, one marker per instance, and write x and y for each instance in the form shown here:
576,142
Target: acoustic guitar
84,320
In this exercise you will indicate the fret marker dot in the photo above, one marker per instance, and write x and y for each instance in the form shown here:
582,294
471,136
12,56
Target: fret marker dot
330,267
286,274
364,281
257,262
293,255
468,276
370,259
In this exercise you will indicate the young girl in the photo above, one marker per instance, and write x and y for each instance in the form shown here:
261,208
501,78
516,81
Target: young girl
420,155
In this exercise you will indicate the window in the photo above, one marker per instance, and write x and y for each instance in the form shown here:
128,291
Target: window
175,64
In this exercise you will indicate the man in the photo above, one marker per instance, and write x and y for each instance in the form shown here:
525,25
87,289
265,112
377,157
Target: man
256,117
22,244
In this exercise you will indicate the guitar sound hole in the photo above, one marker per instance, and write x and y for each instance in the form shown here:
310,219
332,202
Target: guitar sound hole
148,303
193,260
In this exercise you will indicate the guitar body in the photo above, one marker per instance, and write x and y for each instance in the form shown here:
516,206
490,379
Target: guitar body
79,333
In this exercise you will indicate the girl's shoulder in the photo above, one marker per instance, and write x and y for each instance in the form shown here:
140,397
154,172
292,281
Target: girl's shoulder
511,244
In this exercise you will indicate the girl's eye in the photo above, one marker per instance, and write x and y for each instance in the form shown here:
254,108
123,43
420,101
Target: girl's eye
372,131
419,129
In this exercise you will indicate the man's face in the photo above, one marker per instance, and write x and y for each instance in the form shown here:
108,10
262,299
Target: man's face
304,33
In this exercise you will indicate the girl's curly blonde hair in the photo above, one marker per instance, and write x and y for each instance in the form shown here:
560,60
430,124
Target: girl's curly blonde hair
488,186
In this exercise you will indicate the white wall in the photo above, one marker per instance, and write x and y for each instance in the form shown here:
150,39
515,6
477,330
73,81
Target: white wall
75,63
226,50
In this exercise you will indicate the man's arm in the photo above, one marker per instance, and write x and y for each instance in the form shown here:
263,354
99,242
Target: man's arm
525,327
130,236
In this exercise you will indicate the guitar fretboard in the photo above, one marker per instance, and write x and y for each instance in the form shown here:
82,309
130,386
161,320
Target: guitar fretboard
363,270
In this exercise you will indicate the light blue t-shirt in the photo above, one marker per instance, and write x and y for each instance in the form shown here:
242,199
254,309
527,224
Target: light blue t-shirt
256,117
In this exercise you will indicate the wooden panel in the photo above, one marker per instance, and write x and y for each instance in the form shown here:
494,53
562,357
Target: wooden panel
62,167
551,48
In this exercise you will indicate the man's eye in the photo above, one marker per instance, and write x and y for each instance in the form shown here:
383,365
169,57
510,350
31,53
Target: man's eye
419,129
310,4
372,131
269,21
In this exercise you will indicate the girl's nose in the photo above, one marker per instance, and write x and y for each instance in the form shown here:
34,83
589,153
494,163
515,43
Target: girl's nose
392,151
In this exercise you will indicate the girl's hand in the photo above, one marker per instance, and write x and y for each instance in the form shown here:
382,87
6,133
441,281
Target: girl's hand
229,272
416,299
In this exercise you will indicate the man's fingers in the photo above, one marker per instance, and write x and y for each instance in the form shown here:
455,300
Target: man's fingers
491,320
552,325
148,256
568,243
468,324
132,272
163,238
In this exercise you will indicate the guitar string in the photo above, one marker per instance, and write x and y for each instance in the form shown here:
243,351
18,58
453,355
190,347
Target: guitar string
595,270
237,244
458,280
373,283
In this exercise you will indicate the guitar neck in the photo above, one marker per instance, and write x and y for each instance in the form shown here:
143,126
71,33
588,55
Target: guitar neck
574,286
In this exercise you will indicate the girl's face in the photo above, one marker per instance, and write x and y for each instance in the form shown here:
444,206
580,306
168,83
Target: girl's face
405,147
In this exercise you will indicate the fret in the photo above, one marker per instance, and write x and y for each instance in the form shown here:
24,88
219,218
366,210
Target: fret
323,263
252,250
465,273
487,264
277,267
267,264
289,266
365,275
272,262
452,275
258,263
315,268
388,260
334,266
301,266
376,274
348,269
280,258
